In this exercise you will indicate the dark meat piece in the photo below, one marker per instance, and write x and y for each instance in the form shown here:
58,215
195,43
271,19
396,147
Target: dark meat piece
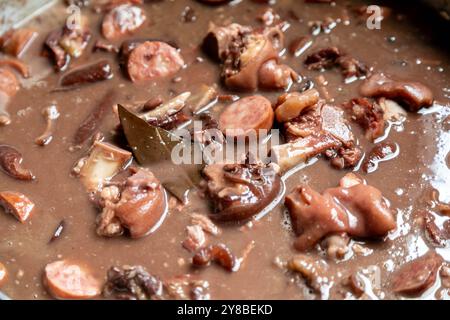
122,20
75,40
10,162
209,134
240,191
323,59
328,58
153,59
358,210
324,130
219,40
249,58
350,67
139,205
417,275
135,283
381,152
347,156
369,115
98,71
15,42
16,204
58,54
218,253
414,95
132,283
108,225
66,43
321,118
241,67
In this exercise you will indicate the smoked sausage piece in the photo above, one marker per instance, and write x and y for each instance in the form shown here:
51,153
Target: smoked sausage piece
245,115
153,59
66,280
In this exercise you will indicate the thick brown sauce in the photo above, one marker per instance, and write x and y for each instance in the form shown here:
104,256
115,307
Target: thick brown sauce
406,181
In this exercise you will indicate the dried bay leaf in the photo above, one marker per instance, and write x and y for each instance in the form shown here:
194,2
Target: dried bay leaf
152,147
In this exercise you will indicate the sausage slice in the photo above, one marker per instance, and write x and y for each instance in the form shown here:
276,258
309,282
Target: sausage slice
17,204
66,280
153,59
122,20
245,115
418,275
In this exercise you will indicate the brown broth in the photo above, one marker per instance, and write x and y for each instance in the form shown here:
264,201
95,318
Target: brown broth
407,180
